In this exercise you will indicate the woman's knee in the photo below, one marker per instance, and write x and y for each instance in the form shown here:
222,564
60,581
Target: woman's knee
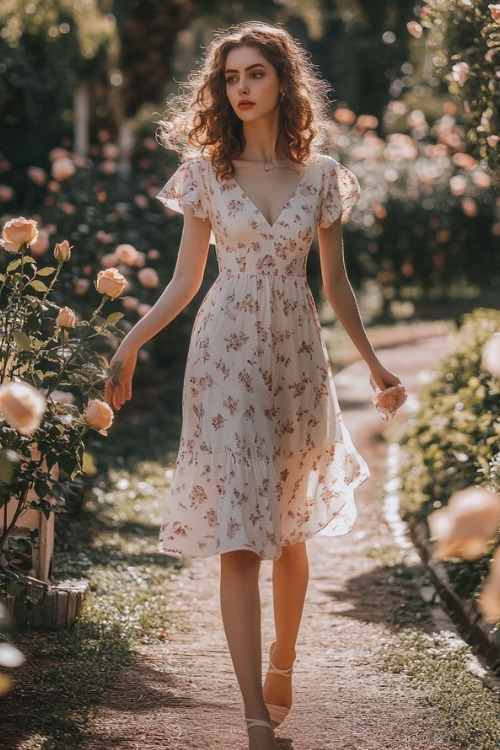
293,554
241,560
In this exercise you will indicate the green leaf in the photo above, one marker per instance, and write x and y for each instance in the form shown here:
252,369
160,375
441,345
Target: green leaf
38,286
112,319
28,259
14,265
23,341
2,277
46,271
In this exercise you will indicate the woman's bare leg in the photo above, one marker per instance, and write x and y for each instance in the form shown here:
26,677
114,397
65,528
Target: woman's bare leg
290,579
240,606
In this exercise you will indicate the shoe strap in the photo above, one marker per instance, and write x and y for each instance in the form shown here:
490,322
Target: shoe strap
258,723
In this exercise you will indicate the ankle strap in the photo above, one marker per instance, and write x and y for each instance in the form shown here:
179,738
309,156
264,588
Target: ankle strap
258,723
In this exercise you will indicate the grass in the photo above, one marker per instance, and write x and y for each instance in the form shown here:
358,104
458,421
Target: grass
440,664
112,544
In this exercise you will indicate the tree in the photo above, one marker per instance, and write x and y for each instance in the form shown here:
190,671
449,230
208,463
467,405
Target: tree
45,50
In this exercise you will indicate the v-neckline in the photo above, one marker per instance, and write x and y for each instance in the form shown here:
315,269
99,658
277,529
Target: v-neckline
285,205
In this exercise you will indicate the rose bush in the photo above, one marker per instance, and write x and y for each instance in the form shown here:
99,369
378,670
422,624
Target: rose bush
52,372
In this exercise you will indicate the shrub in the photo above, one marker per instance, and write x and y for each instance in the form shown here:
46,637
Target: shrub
453,441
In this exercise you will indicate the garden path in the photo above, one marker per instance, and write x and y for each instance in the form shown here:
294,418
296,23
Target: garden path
181,693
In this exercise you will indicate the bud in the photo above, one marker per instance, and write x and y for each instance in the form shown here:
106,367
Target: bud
62,251
66,318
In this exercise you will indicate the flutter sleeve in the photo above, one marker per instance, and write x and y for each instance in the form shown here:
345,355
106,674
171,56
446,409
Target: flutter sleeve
340,193
188,187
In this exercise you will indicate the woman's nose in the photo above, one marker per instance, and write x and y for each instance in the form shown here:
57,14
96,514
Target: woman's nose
243,87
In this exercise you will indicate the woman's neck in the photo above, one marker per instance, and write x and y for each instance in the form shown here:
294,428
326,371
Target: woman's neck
262,142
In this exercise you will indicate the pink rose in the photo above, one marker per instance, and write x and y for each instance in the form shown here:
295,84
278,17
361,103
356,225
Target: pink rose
62,397
62,251
99,416
63,169
130,303
6,193
491,355
344,116
110,282
126,254
82,286
109,260
460,73
495,11
465,526
492,140
66,318
489,598
148,277
37,175
415,29
22,406
110,151
41,244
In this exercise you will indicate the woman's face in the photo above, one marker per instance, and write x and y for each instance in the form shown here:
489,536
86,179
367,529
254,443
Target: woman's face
252,84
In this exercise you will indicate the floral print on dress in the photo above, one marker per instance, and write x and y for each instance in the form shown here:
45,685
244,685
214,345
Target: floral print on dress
264,459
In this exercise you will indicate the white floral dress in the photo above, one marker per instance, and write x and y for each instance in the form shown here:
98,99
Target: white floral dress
264,459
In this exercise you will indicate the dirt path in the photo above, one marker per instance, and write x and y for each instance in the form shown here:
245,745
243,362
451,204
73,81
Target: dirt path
181,694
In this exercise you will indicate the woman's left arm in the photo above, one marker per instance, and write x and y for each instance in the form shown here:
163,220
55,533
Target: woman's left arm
341,297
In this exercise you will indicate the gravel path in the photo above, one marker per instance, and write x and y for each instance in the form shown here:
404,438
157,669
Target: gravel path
182,694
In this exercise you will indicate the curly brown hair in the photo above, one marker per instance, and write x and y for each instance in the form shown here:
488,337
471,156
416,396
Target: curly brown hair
201,120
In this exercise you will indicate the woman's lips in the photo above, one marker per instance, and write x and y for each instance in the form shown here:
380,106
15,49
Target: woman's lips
246,105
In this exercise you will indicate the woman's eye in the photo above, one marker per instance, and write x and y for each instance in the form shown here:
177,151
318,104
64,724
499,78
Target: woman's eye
231,79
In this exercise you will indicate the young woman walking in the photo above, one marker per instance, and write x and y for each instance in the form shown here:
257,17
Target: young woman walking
265,462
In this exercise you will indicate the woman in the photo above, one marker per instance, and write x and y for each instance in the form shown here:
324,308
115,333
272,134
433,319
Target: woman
265,462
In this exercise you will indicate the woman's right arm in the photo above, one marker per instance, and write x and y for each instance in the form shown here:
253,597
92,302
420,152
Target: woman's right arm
186,281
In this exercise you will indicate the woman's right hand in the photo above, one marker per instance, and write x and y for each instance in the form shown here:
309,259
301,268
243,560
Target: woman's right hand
118,388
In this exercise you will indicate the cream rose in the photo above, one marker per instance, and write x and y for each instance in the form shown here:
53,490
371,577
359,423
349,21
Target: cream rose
466,525
19,231
66,318
111,282
126,254
22,406
63,169
148,277
99,416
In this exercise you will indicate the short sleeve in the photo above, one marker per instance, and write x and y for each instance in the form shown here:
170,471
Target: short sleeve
188,187
340,193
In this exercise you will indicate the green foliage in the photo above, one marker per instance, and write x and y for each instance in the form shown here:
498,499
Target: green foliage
112,545
46,48
464,42
455,435
59,364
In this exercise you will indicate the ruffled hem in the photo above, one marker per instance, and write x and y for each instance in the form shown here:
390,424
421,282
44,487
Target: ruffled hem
238,503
